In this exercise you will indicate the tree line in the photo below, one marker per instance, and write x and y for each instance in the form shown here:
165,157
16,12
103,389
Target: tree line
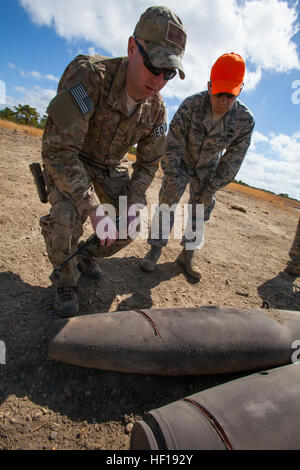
24,114
28,116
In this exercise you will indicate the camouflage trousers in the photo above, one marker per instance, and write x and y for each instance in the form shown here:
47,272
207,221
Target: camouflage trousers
63,227
294,252
171,192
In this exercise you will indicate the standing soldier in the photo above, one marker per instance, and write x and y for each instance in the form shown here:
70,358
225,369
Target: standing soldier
293,265
103,107
205,125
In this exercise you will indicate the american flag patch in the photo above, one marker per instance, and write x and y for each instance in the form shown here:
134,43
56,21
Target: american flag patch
82,98
176,35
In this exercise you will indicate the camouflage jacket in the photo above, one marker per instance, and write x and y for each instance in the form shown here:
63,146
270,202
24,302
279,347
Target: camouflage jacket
88,130
211,156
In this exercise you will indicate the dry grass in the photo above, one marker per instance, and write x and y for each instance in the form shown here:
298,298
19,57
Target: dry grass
131,157
279,201
32,131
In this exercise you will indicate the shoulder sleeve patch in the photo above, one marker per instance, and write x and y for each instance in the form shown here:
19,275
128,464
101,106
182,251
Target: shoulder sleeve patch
160,131
82,98
63,110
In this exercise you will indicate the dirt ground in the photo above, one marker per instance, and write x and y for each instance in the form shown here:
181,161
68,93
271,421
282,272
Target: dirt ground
49,405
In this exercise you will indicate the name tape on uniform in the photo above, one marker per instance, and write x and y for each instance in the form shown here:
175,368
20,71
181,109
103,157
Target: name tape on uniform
160,130
82,98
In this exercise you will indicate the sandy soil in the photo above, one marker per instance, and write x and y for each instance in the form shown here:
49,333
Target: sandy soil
49,405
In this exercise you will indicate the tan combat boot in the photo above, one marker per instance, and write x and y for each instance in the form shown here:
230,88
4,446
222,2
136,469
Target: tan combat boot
151,258
188,261
65,301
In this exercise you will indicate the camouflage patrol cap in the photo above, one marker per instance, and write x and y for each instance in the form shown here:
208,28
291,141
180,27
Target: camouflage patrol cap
164,36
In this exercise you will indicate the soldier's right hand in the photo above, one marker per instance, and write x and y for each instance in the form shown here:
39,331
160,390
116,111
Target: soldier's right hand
104,227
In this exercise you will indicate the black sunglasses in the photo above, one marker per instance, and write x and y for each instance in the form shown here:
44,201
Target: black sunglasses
229,96
167,73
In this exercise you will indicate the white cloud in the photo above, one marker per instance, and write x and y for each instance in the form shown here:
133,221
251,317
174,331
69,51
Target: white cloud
269,27
38,76
20,89
35,74
287,147
253,78
32,74
52,78
257,137
260,30
11,65
273,163
37,97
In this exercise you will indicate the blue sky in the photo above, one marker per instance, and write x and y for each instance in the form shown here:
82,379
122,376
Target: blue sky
39,38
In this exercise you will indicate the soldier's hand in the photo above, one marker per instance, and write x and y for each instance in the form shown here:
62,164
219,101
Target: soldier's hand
104,227
209,200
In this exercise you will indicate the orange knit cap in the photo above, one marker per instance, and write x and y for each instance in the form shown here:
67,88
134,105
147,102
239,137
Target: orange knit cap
227,74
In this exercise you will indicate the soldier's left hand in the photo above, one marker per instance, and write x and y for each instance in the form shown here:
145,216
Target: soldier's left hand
104,227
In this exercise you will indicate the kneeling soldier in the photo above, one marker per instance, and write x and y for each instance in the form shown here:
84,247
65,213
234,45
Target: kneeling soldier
103,107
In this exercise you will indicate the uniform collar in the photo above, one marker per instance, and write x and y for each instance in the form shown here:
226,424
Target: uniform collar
116,93
228,121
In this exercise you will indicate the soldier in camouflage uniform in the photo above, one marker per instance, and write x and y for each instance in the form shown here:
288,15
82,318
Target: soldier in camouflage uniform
103,107
293,265
206,145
